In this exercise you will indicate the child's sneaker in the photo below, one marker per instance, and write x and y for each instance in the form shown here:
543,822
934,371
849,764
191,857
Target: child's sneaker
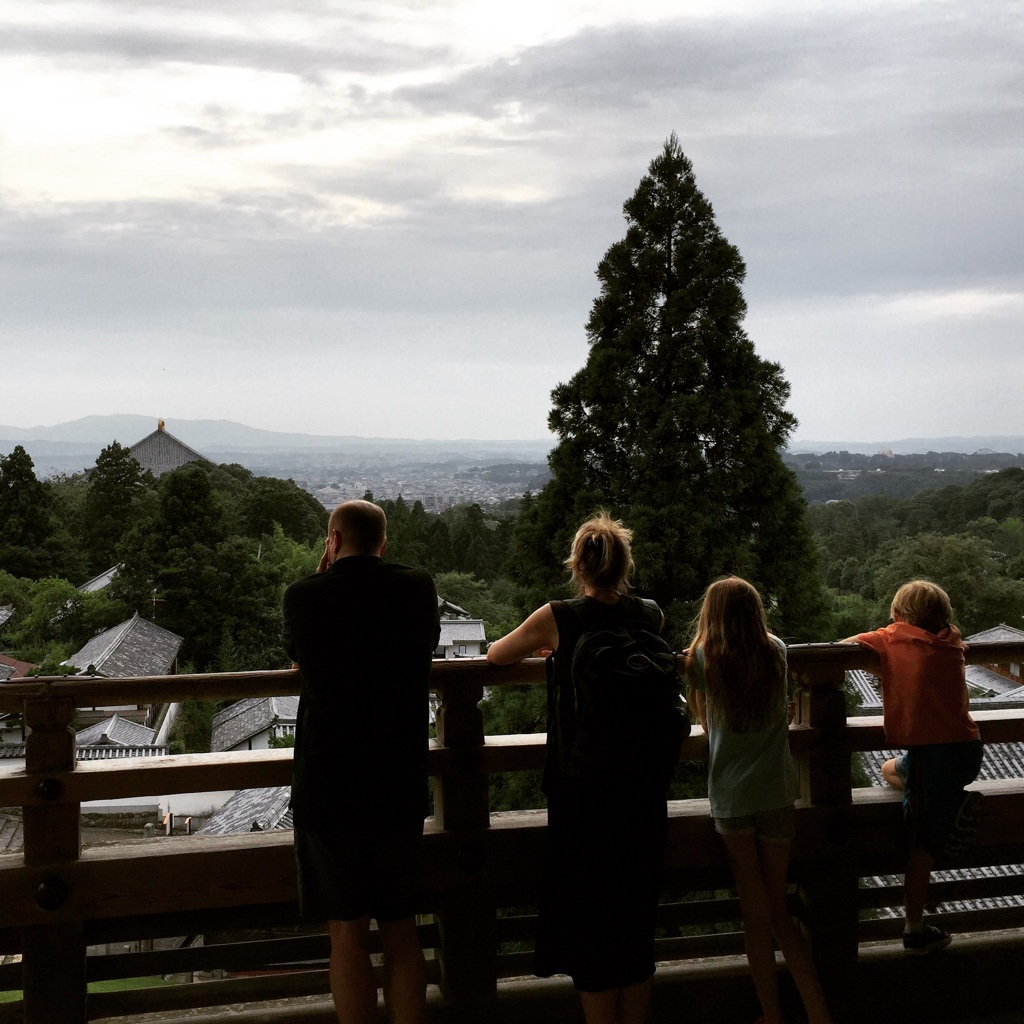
965,828
926,941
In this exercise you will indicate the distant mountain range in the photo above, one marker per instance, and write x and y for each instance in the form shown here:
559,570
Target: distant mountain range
913,445
71,447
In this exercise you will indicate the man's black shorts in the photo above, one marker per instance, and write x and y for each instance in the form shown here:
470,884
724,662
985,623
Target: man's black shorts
345,872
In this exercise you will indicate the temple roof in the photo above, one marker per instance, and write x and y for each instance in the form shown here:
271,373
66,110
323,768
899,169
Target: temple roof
117,731
134,648
461,631
160,452
249,717
252,810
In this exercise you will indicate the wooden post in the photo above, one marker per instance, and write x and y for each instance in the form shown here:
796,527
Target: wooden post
467,912
53,956
828,887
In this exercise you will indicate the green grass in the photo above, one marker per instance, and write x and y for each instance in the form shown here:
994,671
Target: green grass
117,985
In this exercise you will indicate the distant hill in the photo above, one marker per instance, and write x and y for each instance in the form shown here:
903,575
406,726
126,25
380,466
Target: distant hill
128,429
73,446
914,445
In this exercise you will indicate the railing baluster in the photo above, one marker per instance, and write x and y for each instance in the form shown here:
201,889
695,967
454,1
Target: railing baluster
53,956
828,887
466,913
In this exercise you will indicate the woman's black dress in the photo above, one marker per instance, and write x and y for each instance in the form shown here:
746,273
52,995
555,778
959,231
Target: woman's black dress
606,840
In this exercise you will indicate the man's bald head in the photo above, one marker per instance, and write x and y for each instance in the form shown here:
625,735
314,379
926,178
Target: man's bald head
361,526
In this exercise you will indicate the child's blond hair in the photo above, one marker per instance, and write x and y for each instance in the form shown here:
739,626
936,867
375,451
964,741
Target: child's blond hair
923,604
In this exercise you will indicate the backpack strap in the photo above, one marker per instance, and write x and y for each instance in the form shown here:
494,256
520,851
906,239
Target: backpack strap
652,613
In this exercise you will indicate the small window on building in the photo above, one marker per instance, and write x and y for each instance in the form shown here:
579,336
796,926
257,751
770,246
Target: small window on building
462,648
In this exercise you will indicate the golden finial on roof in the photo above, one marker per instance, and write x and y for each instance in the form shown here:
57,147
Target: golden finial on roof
159,424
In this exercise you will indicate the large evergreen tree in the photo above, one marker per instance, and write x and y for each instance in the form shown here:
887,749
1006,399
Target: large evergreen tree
675,423
112,504
33,541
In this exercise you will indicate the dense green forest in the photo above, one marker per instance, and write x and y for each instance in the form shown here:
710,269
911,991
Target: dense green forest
206,552
830,476
969,539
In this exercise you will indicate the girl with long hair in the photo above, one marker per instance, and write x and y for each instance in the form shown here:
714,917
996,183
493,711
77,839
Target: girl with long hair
737,688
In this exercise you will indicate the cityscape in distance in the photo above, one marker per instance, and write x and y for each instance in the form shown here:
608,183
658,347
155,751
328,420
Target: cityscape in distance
441,473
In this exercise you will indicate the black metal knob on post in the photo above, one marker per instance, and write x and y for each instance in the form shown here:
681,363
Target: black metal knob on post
49,789
52,893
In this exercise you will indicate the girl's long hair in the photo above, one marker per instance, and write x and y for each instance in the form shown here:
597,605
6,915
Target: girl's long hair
744,670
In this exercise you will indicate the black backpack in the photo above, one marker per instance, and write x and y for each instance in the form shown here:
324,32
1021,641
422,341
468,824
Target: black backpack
630,716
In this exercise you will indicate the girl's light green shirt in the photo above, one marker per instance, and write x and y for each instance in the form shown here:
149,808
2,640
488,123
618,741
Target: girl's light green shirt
748,772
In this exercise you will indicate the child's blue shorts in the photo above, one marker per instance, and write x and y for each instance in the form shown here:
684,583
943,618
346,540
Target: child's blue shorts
934,777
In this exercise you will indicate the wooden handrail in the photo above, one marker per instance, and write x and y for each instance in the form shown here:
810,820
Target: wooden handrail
476,861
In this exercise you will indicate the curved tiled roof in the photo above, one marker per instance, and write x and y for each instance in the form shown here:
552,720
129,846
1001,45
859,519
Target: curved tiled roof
121,732
461,631
113,752
134,648
251,810
160,452
997,634
249,717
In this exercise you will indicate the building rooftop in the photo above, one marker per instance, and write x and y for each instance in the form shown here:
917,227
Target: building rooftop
100,582
461,631
116,731
997,634
249,717
11,668
252,810
160,452
447,610
134,648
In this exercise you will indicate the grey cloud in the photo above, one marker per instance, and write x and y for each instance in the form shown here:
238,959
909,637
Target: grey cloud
137,45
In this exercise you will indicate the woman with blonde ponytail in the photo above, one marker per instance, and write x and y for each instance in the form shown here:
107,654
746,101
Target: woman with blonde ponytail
606,830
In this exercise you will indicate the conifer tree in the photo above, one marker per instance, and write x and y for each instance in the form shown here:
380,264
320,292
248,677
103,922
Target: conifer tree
111,506
674,423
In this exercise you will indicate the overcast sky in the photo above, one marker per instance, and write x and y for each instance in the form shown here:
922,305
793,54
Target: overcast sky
383,217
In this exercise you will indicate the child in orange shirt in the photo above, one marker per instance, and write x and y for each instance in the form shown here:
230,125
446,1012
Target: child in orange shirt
926,710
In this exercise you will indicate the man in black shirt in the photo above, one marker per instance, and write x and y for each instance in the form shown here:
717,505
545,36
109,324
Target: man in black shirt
363,633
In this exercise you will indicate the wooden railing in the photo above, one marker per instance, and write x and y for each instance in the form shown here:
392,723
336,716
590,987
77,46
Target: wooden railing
481,870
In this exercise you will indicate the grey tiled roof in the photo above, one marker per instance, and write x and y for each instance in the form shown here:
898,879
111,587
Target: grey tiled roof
18,669
987,686
160,452
249,717
134,648
997,634
10,833
987,681
6,671
251,810
99,582
448,610
951,875
6,612
866,687
91,752
118,731
461,631
111,752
